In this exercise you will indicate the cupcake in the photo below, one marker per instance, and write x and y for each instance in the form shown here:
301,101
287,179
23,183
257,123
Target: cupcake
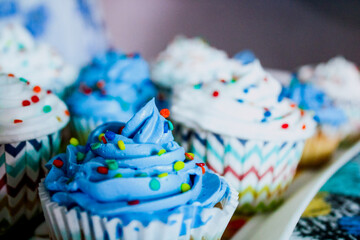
319,148
34,61
246,131
112,88
189,61
133,181
340,80
30,122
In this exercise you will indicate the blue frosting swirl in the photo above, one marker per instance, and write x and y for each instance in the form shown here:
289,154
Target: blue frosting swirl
309,97
113,87
142,170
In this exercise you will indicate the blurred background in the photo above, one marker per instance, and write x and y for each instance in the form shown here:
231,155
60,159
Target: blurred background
282,33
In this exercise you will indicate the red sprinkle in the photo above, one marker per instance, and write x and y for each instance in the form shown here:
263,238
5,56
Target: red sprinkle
285,125
266,79
293,105
302,112
165,112
202,167
35,99
48,91
133,202
120,130
102,170
189,156
67,113
100,84
223,81
37,89
215,93
11,75
58,163
304,127
104,139
18,121
26,103
27,83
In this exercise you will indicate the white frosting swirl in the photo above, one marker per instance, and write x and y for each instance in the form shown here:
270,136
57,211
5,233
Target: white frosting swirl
37,62
339,78
192,61
26,113
248,108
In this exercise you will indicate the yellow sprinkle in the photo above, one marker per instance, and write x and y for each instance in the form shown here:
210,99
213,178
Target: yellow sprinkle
161,152
185,187
161,175
74,141
121,145
179,165
58,118
100,136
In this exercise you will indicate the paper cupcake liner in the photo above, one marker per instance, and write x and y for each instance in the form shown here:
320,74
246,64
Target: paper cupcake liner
319,149
78,224
22,165
82,127
259,170
350,130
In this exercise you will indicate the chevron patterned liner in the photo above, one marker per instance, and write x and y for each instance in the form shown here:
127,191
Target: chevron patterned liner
22,165
260,170
82,127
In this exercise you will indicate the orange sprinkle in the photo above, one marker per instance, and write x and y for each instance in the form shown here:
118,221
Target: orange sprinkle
18,121
293,105
304,127
302,112
37,89
67,113
11,75
165,112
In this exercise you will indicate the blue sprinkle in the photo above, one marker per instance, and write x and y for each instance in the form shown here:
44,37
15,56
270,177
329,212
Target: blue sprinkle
267,113
166,127
316,118
246,90
110,135
240,100
137,229
263,120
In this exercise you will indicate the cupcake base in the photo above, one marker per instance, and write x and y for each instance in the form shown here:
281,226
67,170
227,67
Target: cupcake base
318,149
22,165
260,171
78,224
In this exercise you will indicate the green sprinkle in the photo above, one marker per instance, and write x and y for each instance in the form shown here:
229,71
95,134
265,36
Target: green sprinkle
74,142
185,187
112,164
80,156
171,126
179,165
46,109
21,46
118,175
23,80
161,175
197,86
161,152
95,146
141,175
154,184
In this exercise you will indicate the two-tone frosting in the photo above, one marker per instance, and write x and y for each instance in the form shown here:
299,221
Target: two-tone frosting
113,87
189,61
28,111
37,62
310,97
338,77
250,106
135,172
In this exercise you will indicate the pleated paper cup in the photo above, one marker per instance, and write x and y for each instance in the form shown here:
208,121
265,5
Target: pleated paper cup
77,224
260,171
81,127
22,165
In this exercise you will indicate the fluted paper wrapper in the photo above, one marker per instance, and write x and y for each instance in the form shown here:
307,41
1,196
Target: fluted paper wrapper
78,224
259,170
22,165
82,127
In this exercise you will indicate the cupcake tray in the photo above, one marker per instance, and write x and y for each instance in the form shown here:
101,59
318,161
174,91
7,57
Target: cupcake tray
281,223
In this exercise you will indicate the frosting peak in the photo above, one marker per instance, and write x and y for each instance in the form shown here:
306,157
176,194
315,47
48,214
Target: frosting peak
37,62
